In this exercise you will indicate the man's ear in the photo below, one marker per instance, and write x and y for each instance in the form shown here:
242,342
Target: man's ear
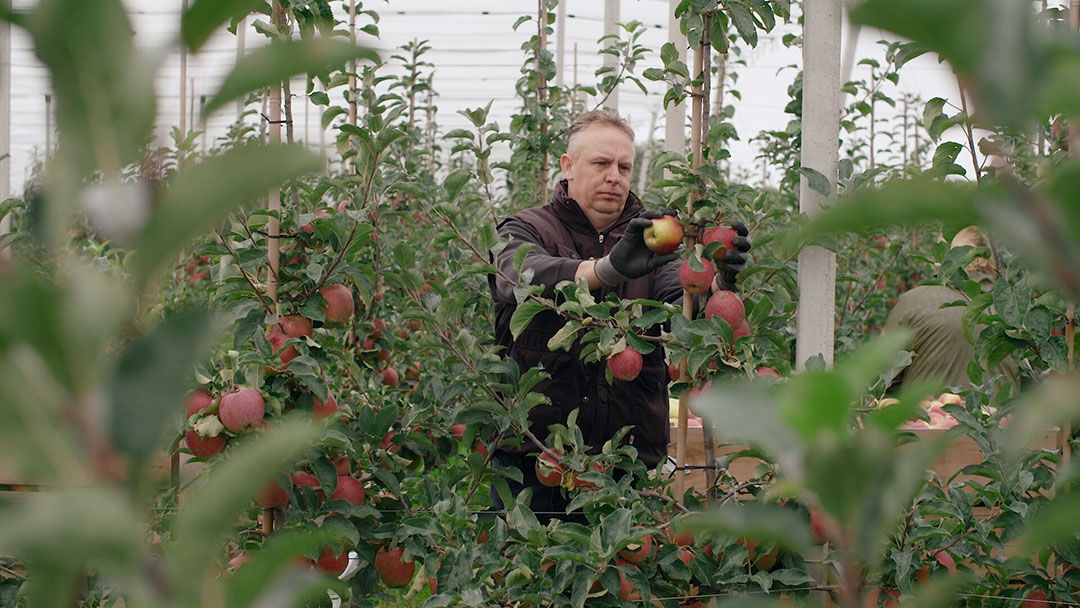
567,164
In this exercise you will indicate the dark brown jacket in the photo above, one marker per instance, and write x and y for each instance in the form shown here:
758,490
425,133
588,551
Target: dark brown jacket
562,237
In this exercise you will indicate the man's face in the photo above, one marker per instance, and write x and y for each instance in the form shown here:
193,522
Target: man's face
599,172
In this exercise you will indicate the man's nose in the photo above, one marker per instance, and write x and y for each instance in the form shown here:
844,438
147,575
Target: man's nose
612,174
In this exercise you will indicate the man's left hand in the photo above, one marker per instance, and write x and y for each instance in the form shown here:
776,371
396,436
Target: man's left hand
735,260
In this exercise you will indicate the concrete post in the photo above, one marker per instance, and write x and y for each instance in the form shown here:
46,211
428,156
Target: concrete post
815,332
611,18
5,126
560,45
675,116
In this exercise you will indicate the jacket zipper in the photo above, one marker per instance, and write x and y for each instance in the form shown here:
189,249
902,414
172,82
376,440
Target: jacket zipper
601,238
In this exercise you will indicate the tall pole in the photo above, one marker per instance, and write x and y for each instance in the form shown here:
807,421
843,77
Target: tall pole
241,33
183,80
815,332
675,118
696,107
611,18
541,93
48,126
202,115
5,127
646,156
574,99
353,108
560,44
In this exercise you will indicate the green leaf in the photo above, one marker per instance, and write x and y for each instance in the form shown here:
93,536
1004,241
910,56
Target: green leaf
261,575
523,315
896,203
933,109
205,16
201,196
454,183
765,522
151,378
744,23
1051,404
281,60
743,413
213,508
564,338
817,182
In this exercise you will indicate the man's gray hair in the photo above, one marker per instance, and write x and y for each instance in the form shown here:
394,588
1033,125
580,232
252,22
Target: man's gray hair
604,117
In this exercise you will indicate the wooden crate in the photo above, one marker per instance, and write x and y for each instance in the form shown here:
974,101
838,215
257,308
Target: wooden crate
959,453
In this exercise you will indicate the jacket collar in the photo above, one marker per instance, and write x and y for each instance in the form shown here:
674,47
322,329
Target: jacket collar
569,211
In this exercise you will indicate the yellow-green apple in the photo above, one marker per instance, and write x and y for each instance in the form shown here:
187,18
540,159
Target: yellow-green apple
664,235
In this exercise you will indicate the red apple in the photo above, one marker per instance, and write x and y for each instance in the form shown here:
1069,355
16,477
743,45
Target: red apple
727,306
392,570
390,377
378,326
203,447
674,372
626,365
696,281
637,552
388,443
664,235
323,410
767,371
818,527
480,449
740,330
273,495
719,234
680,537
894,599
242,409
457,431
307,480
291,326
333,564
415,325
627,591
549,471
349,489
338,304
685,556
342,465
197,401
413,372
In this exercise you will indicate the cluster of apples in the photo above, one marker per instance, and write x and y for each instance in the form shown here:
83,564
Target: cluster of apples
337,305
553,472
664,236
194,268
939,418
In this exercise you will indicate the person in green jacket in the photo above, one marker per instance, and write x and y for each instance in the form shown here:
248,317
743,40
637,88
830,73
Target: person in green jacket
940,352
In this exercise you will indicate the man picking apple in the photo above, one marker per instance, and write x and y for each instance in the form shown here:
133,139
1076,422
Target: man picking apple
595,229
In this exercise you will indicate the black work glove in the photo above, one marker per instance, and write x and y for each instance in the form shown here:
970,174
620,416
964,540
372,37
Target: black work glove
630,258
728,269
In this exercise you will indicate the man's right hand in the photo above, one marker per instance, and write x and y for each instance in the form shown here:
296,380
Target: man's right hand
630,258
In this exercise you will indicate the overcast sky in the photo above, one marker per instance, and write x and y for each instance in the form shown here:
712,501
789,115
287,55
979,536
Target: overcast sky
477,57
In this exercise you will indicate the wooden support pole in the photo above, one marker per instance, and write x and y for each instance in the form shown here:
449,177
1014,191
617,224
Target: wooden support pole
5,127
353,106
202,115
611,19
560,45
542,96
48,126
699,159
273,224
815,331
574,101
688,299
